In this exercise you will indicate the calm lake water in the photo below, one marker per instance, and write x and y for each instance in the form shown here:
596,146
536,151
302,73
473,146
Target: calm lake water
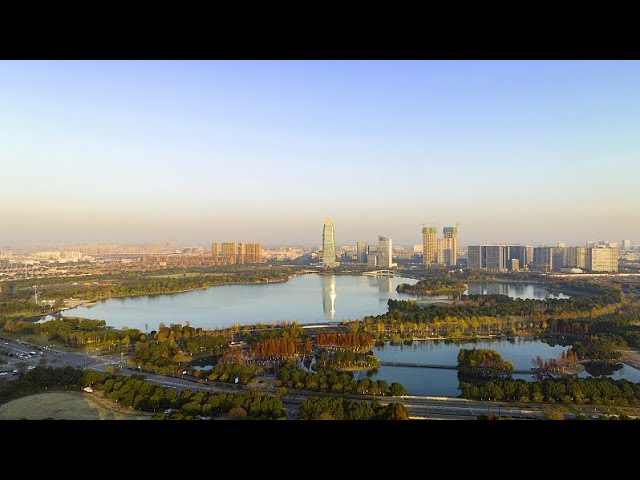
437,382
305,299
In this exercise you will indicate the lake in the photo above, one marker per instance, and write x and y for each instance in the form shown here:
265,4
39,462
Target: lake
305,299
438,382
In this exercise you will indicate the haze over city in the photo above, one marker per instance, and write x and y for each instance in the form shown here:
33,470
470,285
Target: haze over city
530,151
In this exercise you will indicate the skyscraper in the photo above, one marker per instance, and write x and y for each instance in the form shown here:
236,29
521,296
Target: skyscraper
229,253
384,252
215,250
497,257
242,253
602,259
361,248
328,244
254,253
543,259
447,247
429,245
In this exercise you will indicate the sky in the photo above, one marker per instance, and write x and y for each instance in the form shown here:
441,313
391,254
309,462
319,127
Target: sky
535,152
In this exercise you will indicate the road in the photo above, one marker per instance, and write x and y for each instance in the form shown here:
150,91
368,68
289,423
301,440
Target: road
419,407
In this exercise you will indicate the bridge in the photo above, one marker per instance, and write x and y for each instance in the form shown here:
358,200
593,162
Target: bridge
380,273
435,365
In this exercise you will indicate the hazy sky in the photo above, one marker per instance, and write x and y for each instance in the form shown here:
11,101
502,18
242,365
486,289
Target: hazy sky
263,151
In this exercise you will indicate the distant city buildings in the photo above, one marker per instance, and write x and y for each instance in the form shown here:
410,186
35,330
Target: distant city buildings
626,245
439,251
502,257
499,257
328,245
237,253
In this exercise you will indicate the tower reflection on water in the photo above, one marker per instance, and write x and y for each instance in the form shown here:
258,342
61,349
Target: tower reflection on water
329,296
385,285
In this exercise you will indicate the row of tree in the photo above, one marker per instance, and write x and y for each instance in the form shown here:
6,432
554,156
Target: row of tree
279,349
228,373
345,358
354,341
337,408
331,381
558,390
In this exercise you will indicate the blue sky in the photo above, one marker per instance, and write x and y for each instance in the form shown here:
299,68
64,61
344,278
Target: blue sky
202,151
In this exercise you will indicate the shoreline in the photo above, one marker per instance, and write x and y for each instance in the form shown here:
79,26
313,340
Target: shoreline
90,303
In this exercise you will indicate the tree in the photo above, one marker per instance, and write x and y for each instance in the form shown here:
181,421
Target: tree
21,367
238,413
397,411
554,414
397,390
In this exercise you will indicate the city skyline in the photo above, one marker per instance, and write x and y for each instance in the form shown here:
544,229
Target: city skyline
527,152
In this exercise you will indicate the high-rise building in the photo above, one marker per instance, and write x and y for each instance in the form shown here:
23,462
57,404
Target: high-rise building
229,253
626,245
361,248
384,252
529,249
474,257
522,253
372,256
497,257
242,254
215,250
429,245
447,247
543,259
328,245
602,259
254,253
451,246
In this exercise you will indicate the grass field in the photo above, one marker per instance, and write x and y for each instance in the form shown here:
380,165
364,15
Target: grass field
66,406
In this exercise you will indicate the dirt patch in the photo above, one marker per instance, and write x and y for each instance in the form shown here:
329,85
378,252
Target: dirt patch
66,406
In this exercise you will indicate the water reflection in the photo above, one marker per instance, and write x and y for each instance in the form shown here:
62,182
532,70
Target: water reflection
385,285
513,290
329,296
